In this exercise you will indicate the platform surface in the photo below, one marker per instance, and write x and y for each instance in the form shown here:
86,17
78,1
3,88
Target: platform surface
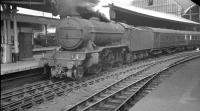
179,92
26,65
19,66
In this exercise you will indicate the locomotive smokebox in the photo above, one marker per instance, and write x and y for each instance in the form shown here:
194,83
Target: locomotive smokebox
74,32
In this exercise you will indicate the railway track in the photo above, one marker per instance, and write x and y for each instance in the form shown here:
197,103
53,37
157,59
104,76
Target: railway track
116,96
33,94
17,79
30,95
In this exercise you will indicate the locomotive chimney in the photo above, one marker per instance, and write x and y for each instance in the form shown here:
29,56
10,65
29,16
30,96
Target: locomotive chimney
95,18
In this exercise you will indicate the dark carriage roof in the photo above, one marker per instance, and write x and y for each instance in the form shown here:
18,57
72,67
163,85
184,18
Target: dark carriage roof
161,30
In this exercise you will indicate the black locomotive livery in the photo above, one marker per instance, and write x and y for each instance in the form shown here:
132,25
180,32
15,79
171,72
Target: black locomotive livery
90,46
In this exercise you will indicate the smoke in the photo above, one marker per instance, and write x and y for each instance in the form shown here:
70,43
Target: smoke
83,8
68,7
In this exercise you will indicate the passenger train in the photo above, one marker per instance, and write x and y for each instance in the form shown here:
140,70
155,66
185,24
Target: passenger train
90,45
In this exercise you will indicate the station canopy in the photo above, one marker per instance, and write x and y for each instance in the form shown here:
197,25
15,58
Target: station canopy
129,14
39,5
144,17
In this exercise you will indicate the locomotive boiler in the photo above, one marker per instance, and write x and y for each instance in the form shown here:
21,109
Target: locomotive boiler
76,33
90,46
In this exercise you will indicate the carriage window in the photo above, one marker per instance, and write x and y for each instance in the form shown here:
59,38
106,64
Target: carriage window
180,37
193,37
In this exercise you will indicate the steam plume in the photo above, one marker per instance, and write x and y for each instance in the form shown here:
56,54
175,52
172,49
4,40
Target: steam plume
83,8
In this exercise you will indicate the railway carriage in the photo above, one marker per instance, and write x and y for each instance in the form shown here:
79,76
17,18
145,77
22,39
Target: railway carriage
160,40
193,39
90,46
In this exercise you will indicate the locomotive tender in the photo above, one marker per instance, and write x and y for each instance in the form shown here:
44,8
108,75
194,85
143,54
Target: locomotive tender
90,46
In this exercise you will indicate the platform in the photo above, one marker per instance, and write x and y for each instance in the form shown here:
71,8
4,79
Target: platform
180,92
28,64
19,66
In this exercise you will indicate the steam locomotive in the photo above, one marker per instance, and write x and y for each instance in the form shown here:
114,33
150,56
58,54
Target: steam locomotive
90,46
